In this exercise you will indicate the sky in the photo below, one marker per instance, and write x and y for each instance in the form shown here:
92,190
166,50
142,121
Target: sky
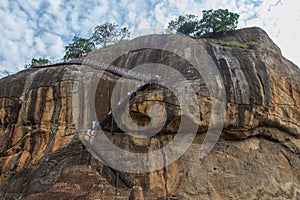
42,28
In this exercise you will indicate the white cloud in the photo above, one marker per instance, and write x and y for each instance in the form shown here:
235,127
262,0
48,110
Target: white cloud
282,22
144,23
43,28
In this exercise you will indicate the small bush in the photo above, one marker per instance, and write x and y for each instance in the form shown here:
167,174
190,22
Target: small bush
120,42
234,44
251,45
123,41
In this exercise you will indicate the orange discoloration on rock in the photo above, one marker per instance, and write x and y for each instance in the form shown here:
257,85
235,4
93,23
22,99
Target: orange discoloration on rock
256,157
23,160
48,110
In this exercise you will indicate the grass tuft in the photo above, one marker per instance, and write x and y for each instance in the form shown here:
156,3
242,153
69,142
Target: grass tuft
234,44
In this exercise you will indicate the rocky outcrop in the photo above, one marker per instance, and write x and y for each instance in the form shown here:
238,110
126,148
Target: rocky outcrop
256,157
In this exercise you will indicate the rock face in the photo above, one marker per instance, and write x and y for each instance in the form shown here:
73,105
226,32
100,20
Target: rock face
256,157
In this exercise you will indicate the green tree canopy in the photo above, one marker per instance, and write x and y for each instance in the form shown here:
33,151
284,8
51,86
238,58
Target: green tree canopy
37,62
79,47
185,24
215,21
108,33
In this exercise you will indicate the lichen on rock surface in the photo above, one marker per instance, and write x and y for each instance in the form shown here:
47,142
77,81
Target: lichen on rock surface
256,157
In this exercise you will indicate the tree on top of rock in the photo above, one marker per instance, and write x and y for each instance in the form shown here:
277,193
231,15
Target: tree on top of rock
37,62
79,47
218,21
108,33
185,24
213,21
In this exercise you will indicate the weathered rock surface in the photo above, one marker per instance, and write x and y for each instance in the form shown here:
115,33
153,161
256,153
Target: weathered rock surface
256,157
80,182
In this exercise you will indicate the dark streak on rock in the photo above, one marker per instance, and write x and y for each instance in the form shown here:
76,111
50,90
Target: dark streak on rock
224,71
264,79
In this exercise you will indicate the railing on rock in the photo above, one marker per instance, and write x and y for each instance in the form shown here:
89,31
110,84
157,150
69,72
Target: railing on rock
124,73
121,72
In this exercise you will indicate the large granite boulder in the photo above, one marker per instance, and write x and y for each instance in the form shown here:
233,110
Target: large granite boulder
256,156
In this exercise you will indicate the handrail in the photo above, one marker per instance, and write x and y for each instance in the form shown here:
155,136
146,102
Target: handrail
121,72
127,182
102,124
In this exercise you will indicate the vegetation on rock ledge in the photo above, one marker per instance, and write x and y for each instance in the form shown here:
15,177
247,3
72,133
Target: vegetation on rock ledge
213,22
